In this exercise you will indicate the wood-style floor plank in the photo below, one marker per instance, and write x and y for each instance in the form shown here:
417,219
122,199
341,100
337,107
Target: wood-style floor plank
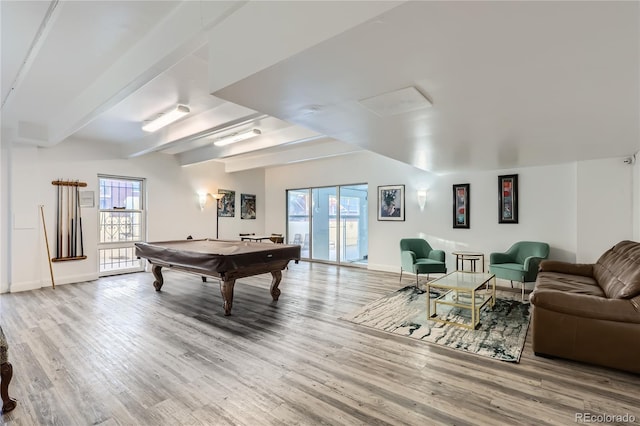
116,352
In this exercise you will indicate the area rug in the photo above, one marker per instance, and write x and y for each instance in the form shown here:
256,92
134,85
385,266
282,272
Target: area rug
501,334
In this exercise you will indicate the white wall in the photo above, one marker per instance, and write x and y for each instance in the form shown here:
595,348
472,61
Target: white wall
605,206
210,177
172,204
547,205
636,198
23,216
4,219
569,205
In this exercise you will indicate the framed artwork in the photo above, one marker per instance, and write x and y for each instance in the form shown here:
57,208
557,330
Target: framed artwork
227,204
508,199
391,202
247,206
461,206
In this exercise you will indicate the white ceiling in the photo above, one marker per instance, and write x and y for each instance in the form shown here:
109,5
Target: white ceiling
512,84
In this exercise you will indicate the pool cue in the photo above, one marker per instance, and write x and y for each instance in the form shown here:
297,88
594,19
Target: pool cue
73,220
79,221
46,242
68,223
71,254
60,225
57,221
77,215
74,230
81,242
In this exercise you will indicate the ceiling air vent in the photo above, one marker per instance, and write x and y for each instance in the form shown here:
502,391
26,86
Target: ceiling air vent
396,102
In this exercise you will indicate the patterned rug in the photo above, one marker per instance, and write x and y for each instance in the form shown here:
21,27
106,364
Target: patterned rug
501,333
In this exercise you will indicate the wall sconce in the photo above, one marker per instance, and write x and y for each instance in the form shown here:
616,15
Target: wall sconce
422,198
202,199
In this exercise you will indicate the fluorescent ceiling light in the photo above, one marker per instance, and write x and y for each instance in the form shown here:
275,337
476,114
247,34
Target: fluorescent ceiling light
166,119
236,137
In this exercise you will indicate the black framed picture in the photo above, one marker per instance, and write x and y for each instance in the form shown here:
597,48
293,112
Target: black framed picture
461,205
508,199
227,203
247,206
391,202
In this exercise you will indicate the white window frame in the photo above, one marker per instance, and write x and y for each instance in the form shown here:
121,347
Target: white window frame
129,244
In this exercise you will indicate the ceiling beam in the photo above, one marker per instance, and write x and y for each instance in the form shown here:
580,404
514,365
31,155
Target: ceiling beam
323,148
48,21
181,33
199,126
283,137
291,27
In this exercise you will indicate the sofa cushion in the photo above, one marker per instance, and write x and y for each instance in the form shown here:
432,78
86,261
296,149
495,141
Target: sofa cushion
618,270
583,269
577,284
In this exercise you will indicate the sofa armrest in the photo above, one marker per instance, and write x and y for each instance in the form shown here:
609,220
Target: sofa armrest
582,269
586,306
437,255
496,258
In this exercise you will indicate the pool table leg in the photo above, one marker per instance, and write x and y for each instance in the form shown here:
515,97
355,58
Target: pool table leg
156,270
275,282
226,290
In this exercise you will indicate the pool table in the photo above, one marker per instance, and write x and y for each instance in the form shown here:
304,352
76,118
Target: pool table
226,260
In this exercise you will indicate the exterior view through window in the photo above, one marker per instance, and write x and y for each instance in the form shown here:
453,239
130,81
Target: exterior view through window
121,219
330,223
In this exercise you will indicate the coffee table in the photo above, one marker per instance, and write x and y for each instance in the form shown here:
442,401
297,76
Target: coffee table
465,290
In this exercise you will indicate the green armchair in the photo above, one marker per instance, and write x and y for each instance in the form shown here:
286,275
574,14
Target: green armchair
418,257
519,263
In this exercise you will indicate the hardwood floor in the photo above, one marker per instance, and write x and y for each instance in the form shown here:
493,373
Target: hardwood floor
116,352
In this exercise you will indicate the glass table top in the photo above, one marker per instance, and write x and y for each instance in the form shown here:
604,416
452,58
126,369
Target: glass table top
462,280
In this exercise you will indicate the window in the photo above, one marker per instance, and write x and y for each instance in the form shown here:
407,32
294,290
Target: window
121,219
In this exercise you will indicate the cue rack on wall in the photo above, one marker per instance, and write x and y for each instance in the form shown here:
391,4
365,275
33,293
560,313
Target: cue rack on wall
69,242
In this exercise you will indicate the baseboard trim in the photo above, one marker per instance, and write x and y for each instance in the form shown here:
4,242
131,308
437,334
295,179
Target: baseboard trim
34,285
24,286
386,268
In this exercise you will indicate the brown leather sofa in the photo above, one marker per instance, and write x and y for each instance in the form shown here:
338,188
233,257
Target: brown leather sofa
590,312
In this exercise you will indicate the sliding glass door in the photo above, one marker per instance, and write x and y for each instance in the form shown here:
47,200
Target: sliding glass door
354,227
330,223
323,224
298,219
